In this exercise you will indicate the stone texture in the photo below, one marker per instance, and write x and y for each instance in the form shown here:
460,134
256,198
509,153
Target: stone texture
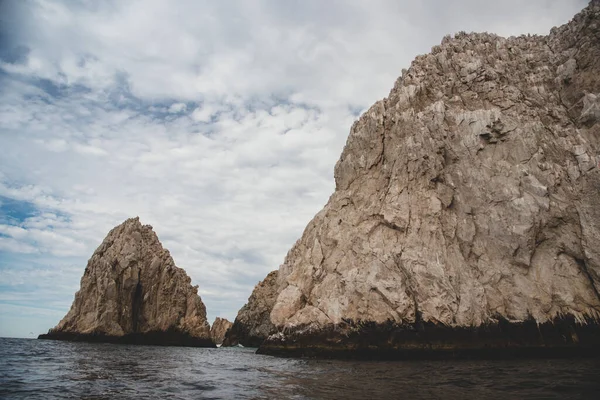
253,323
218,329
469,197
131,291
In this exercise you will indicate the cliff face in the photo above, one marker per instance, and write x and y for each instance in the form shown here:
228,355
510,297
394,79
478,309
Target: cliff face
466,201
253,322
132,292
218,329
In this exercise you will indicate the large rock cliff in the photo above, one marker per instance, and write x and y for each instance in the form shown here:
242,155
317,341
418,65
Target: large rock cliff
467,208
132,292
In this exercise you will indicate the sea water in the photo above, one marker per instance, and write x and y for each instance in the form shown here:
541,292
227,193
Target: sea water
43,369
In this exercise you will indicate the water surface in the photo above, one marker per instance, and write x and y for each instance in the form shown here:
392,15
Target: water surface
42,369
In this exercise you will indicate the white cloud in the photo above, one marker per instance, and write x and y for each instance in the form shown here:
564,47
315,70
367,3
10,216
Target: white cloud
204,113
218,123
89,150
176,108
14,245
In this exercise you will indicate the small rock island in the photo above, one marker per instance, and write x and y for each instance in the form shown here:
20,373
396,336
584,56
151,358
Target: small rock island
132,292
219,329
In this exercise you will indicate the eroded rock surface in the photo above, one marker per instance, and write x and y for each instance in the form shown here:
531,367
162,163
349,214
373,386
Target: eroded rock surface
469,198
253,322
218,329
132,292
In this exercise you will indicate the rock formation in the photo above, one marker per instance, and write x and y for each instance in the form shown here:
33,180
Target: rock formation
132,292
253,323
466,214
218,329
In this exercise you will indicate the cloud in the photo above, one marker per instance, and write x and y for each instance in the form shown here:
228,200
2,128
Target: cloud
218,123
206,112
176,108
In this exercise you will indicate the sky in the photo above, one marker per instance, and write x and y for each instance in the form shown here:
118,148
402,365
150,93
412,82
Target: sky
216,122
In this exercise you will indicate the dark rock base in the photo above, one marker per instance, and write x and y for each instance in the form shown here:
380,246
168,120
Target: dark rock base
156,338
245,340
239,333
251,341
562,337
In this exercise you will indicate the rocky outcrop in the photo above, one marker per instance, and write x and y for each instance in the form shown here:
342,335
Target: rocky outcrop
466,214
132,292
218,329
253,322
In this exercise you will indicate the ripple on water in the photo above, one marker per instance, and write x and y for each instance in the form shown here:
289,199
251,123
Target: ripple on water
34,369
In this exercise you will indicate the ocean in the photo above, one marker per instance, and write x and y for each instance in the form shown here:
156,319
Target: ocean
43,369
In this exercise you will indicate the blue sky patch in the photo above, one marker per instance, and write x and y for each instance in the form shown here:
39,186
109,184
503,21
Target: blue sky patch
15,211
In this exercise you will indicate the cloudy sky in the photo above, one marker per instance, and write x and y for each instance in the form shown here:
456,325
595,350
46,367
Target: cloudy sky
217,122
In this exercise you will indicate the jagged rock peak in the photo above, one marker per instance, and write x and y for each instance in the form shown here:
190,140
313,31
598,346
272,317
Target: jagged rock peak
131,291
467,199
253,322
218,329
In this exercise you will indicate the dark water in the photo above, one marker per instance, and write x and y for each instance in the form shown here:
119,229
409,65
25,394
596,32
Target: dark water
39,369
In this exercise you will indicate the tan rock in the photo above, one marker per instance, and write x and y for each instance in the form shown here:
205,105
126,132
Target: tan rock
468,197
131,291
253,323
219,328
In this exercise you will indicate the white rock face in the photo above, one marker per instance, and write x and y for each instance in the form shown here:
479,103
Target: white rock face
131,288
470,194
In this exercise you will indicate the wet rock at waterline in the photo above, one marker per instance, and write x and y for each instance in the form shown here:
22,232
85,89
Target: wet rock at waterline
132,292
